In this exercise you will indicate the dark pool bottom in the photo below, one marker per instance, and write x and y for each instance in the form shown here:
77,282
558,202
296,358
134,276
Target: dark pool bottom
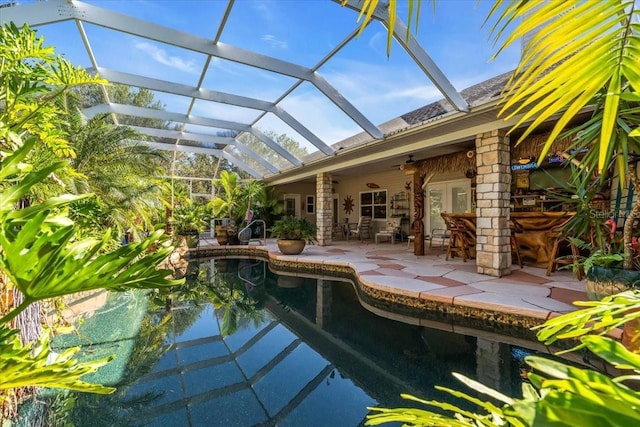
241,346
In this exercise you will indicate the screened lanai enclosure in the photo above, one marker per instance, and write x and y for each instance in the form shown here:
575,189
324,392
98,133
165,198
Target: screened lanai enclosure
269,86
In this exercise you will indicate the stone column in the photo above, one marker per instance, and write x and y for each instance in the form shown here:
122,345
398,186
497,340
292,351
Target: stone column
493,193
324,208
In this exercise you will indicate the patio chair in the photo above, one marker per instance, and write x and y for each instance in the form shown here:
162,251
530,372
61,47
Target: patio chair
559,240
363,229
339,231
438,233
393,228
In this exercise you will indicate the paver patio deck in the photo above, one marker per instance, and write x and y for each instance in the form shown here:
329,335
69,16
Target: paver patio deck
527,292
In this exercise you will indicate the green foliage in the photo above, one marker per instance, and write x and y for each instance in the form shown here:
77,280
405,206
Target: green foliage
600,258
226,204
42,253
32,77
370,6
585,56
234,199
125,176
35,365
596,318
190,217
268,206
294,228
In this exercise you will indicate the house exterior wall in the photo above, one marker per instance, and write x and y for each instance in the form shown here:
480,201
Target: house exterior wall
303,189
393,181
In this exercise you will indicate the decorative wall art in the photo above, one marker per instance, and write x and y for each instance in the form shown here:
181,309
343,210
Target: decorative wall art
348,205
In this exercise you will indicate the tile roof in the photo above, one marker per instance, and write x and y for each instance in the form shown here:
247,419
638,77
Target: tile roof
475,95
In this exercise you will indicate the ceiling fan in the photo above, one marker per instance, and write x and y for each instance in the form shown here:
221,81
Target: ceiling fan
407,162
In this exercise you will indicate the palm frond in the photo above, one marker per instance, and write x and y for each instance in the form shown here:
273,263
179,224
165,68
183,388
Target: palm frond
578,49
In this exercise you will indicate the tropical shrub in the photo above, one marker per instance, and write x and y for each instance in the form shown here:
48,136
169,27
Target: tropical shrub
294,228
42,253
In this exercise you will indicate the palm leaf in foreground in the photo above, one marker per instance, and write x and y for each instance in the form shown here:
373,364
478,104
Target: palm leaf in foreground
582,48
35,365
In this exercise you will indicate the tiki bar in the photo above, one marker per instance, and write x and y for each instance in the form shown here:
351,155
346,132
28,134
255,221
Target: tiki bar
540,200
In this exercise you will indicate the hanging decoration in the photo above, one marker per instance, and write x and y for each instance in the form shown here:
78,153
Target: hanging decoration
348,205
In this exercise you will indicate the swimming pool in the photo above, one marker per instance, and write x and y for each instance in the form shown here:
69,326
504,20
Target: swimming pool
238,345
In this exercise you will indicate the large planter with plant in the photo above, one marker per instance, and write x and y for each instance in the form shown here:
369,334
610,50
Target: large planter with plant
187,222
604,274
222,234
234,200
293,234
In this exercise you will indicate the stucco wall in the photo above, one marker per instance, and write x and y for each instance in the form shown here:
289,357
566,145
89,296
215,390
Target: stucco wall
303,189
393,181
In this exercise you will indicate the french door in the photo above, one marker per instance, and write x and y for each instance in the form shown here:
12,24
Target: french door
449,196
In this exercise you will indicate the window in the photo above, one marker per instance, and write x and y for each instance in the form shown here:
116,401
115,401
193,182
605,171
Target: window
374,204
291,205
311,204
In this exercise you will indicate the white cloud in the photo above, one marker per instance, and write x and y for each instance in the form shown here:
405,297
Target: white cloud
380,91
319,115
273,41
161,56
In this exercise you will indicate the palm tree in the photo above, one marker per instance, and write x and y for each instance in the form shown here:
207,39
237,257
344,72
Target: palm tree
126,176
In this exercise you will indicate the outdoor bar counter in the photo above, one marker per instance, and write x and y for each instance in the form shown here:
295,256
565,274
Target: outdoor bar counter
534,242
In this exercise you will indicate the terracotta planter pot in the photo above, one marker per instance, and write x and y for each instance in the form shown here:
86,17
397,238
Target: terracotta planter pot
291,247
222,236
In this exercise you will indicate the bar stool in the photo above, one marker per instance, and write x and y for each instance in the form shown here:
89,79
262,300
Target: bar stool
458,239
560,239
516,227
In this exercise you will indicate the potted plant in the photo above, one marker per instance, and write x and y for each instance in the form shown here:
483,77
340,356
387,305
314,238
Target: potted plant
293,233
233,202
603,271
188,219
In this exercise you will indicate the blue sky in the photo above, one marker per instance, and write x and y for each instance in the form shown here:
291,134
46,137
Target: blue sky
300,31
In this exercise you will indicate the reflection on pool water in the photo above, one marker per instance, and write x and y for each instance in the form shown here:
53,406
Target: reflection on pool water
239,346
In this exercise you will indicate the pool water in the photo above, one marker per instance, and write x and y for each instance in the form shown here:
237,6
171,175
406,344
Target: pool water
238,345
